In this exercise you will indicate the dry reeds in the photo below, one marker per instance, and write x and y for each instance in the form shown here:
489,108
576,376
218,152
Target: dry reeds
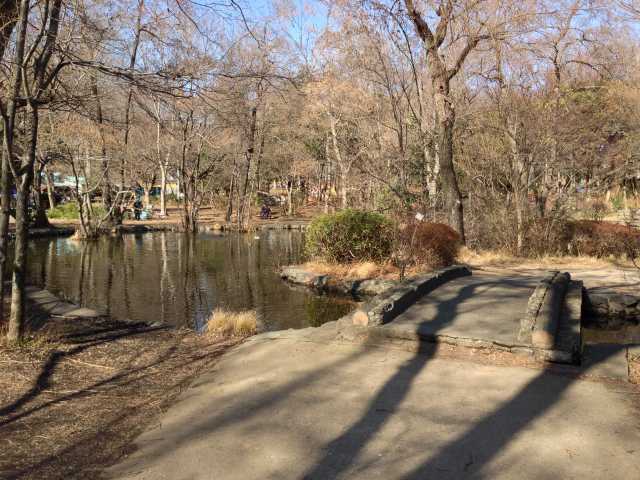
225,323
355,270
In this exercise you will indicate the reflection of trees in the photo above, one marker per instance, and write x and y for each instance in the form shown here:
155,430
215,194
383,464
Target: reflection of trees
167,285
177,278
321,308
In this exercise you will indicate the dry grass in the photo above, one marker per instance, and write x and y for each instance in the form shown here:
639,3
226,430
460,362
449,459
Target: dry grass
359,270
491,258
223,322
483,258
350,270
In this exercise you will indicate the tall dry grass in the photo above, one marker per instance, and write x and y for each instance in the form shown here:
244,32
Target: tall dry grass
225,323
361,270
354,270
497,258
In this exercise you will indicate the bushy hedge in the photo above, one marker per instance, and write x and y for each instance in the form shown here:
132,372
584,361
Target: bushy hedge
431,244
603,239
67,211
350,235
70,211
583,237
547,236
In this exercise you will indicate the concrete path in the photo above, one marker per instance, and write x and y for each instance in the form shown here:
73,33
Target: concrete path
599,278
482,306
295,405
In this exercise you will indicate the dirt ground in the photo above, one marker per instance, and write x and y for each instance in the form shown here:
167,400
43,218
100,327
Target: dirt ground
74,397
209,216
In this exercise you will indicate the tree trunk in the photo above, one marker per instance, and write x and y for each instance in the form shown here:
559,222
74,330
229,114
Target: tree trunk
50,188
344,171
17,317
5,213
290,198
344,175
8,135
107,199
8,16
446,122
232,187
163,190
259,162
445,114
245,203
127,111
40,220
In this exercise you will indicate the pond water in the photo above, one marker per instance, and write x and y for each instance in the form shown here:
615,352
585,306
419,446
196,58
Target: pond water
179,279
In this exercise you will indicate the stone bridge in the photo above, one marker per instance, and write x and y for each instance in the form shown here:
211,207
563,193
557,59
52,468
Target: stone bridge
539,317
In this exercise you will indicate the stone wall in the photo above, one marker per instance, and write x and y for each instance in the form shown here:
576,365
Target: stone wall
612,310
543,308
388,305
328,284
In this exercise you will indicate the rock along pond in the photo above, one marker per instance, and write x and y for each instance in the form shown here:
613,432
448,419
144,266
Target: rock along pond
179,279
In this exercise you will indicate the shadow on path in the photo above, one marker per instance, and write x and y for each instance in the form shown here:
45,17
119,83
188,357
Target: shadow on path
494,432
342,452
489,435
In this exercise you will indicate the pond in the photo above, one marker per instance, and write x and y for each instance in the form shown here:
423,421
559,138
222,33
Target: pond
178,279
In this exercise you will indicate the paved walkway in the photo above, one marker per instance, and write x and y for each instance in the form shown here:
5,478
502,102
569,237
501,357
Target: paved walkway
481,306
296,405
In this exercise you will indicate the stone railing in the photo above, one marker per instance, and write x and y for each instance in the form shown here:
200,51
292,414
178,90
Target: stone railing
385,307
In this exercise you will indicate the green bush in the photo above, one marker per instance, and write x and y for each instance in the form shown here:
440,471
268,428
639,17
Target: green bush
350,235
67,211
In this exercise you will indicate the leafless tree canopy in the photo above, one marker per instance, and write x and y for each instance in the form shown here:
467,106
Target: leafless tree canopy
490,115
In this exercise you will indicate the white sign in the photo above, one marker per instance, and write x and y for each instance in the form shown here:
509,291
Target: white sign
419,216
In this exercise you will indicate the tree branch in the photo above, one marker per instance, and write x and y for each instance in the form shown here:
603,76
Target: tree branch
422,27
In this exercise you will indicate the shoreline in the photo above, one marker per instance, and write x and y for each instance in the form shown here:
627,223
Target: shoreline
68,228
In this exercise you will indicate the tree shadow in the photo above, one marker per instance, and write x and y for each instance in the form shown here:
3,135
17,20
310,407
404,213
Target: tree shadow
341,453
47,370
75,453
486,438
90,453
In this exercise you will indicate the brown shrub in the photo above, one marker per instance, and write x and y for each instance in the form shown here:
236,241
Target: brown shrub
431,244
603,239
547,236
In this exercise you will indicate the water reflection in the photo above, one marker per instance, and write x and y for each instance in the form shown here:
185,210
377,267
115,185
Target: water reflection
178,279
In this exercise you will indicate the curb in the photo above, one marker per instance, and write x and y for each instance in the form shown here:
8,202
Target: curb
388,305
